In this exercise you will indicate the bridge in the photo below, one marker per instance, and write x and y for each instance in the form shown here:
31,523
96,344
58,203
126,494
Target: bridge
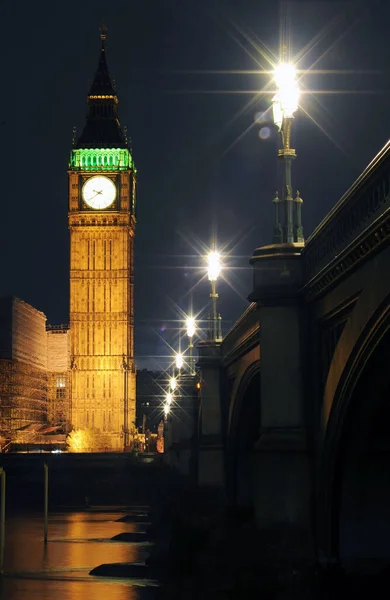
295,400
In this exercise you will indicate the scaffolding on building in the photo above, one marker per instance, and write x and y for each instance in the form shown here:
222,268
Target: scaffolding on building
23,396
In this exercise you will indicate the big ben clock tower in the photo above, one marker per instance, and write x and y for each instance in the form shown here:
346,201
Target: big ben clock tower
102,181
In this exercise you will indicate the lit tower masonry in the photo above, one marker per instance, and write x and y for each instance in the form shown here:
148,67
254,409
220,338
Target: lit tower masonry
102,181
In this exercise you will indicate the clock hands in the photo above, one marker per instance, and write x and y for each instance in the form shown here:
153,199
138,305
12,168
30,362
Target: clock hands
96,194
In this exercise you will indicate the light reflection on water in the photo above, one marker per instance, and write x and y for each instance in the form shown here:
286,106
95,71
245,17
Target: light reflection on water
43,589
77,543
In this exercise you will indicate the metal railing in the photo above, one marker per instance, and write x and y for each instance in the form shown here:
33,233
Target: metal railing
365,202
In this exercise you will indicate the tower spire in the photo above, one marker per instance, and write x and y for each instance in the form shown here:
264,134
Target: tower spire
102,83
103,34
102,128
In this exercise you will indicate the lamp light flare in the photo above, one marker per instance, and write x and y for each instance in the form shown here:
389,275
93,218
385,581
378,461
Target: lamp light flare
191,327
214,266
285,75
285,102
168,399
179,361
173,383
166,409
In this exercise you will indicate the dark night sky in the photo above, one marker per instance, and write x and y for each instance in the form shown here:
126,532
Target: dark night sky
198,170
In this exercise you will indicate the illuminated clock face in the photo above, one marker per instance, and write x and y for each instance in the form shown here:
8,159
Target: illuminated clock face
99,192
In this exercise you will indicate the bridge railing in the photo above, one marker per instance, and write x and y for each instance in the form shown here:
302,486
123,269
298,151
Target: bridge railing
364,203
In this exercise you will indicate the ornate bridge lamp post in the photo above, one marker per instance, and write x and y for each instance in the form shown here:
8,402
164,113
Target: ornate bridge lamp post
210,450
287,210
191,329
213,271
166,430
179,361
167,421
277,284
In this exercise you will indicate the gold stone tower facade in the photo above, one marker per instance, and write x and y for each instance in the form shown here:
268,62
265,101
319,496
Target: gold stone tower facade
102,188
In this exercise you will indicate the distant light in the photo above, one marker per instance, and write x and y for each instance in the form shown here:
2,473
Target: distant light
168,398
173,383
191,327
214,266
179,361
198,385
166,409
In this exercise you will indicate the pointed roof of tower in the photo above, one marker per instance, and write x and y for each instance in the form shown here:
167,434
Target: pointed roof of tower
102,84
102,128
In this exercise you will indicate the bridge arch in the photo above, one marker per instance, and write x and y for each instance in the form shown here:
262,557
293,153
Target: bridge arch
243,433
353,501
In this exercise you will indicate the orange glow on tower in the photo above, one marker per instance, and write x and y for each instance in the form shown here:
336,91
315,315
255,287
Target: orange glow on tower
102,187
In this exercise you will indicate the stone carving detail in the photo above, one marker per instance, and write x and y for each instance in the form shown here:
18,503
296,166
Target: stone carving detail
91,218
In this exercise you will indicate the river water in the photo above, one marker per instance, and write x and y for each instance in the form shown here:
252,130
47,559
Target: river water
77,542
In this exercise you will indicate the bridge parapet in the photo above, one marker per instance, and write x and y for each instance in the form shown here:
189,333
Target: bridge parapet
358,223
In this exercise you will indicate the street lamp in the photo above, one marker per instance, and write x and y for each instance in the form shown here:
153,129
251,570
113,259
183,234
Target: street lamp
179,360
166,410
213,271
190,326
173,383
287,96
288,225
191,329
168,399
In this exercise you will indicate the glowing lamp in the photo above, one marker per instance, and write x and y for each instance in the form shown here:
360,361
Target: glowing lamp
179,361
214,266
191,327
166,409
173,383
168,399
285,102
